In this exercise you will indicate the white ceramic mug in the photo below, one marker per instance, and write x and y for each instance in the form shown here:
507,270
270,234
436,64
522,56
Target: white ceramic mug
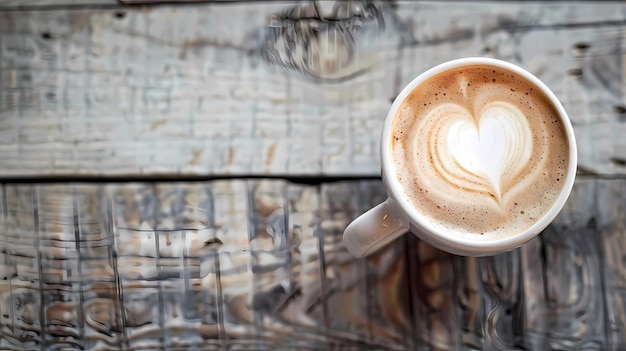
396,216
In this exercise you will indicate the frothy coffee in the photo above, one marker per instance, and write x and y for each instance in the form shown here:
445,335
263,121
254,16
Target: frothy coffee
480,151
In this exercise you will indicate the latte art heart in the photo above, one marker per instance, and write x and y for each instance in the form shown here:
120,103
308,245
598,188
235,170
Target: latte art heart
483,152
479,152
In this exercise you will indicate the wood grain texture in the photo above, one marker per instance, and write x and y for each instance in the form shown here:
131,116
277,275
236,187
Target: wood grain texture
246,88
611,224
259,264
34,4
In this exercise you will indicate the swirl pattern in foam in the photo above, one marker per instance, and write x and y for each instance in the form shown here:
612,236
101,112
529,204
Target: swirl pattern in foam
480,150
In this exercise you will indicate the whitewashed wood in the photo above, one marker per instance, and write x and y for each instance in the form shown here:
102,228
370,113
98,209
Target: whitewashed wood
33,4
186,90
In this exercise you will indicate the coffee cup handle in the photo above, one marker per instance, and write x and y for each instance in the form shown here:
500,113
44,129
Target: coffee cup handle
372,231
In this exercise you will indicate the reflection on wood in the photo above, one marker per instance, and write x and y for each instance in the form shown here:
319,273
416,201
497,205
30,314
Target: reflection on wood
298,88
490,301
611,222
433,299
260,265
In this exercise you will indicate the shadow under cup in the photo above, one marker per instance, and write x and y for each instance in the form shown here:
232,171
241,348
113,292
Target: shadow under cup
404,210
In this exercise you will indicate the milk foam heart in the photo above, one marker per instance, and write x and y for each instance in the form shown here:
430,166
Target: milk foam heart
479,151
492,146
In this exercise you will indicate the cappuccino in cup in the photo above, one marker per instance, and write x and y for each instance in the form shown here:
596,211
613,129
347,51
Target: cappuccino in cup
478,157
479,151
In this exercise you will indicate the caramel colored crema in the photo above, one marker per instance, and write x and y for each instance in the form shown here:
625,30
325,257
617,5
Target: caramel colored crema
480,151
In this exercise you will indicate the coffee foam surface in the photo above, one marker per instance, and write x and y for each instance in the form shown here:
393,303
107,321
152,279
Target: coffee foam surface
479,150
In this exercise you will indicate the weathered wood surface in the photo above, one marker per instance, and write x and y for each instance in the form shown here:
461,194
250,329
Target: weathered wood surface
39,4
175,90
214,90
13,5
125,266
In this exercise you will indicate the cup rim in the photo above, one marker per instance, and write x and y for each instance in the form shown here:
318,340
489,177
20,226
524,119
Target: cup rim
455,242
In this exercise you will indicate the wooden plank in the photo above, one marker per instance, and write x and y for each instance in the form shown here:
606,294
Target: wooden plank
172,90
261,263
611,222
433,295
19,6
33,4
572,258
150,2
490,295
48,4
563,279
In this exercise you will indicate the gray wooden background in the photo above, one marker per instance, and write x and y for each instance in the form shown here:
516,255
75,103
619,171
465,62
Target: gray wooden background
215,89
231,90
